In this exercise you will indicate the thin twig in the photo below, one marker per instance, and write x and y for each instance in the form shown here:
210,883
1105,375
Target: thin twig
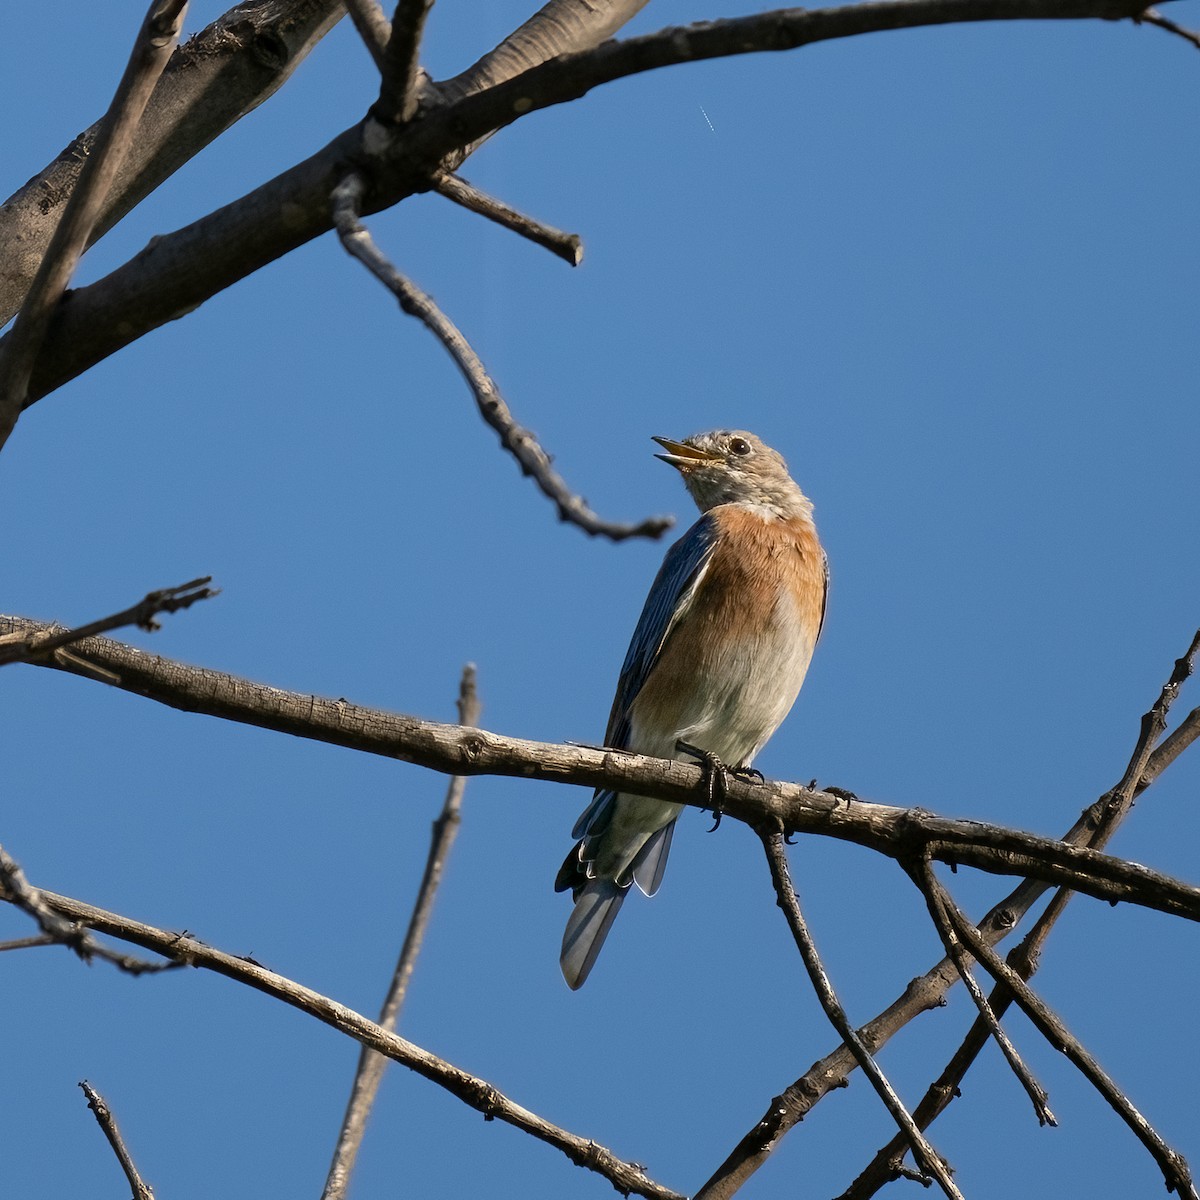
1153,17
926,1157
22,647
400,72
1176,1173
568,246
108,1125
1096,826
18,891
373,27
371,1064
920,871
476,1093
43,939
151,49
519,442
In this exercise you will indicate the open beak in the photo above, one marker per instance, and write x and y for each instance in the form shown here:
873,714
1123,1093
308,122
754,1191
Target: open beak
682,456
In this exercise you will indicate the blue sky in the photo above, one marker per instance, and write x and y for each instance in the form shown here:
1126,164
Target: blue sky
950,274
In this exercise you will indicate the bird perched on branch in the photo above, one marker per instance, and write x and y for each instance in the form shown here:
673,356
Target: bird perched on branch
716,661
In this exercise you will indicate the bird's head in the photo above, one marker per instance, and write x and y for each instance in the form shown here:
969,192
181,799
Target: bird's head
731,466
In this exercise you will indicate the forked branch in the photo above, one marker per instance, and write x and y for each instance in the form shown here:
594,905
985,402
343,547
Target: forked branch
183,950
928,1159
519,442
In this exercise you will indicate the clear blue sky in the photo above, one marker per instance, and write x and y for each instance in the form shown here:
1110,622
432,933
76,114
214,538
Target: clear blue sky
950,274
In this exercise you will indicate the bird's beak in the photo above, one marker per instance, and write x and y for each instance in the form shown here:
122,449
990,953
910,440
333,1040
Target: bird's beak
682,456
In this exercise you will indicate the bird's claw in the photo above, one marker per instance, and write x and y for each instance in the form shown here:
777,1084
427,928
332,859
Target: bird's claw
842,794
716,777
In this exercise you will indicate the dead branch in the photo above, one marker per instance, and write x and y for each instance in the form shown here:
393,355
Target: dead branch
897,833
922,994
1152,17
179,271
1097,824
919,872
15,647
373,27
108,1126
371,1064
931,1163
1176,1173
151,49
18,891
400,70
222,73
185,950
568,246
518,441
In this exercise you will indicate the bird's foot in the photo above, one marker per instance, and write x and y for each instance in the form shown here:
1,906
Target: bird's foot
716,777
838,793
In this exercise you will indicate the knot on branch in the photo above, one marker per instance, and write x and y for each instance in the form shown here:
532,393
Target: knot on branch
482,1096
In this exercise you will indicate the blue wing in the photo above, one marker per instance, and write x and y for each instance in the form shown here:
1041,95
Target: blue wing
673,584
676,578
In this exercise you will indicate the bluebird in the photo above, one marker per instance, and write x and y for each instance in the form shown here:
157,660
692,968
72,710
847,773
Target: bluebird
716,662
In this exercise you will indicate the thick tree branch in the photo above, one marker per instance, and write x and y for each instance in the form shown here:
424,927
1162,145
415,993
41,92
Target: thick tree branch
151,49
897,833
179,271
108,1126
518,441
222,73
370,1063
558,27
181,949
927,1158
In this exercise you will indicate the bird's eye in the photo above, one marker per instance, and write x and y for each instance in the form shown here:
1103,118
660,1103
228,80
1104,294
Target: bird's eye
739,446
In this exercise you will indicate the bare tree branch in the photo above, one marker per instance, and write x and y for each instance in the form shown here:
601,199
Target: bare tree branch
1097,824
17,890
785,894
151,49
558,27
1152,17
568,246
27,943
1176,1173
222,73
897,833
18,647
519,442
920,872
108,1125
370,1063
180,270
476,1093
373,27
401,63
922,994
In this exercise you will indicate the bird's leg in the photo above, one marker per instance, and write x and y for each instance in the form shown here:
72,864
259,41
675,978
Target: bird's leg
716,776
